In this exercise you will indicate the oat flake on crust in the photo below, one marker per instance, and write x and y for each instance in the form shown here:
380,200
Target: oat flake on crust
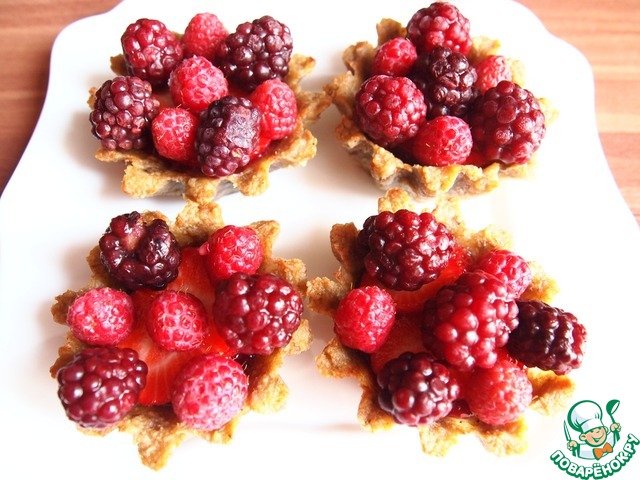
385,168
147,175
550,391
156,430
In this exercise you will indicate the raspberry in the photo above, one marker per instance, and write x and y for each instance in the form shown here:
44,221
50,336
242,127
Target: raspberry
122,112
151,50
196,82
101,316
226,136
507,124
440,23
445,140
256,314
140,255
491,70
209,391
255,52
404,250
467,321
447,80
364,318
174,134
389,110
395,58
512,269
277,102
176,320
498,395
547,338
232,249
100,385
202,36
416,390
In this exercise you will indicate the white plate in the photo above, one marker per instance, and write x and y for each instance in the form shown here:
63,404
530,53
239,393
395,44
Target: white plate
570,217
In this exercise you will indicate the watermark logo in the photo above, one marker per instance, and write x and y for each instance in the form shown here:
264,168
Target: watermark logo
595,446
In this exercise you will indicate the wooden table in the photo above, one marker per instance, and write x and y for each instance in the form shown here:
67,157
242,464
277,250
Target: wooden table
606,32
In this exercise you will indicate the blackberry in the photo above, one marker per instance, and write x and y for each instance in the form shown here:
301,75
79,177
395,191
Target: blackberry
255,314
151,50
447,80
122,112
255,52
440,23
140,255
100,385
404,250
416,390
547,338
228,132
466,322
507,124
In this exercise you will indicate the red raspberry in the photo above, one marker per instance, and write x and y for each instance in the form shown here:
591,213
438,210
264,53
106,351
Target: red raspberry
440,23
196,82
176,320
498,395
174,133
466,322
101,316
416,390
389,110
445,140
232,249
512,269
202,36
395,57
255,314
151,50
364,318
209,391
491,70
100,385
277,102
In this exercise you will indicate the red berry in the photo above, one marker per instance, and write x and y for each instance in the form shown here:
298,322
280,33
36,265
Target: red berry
232,249
491,70
364,318
202,36
512,269
277,102
196,82
441,23
395,57
209,391
174,132
445,140
101,316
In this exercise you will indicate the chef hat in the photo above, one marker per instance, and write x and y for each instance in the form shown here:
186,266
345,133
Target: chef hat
585,415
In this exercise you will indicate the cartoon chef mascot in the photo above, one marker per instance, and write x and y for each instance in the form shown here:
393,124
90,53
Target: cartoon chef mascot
586,417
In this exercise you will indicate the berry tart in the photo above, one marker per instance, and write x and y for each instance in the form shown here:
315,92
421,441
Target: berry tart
432,109
446,330
181,330
205,112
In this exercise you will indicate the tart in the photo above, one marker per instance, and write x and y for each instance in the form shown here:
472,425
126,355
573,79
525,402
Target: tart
549,390
396,165
154,425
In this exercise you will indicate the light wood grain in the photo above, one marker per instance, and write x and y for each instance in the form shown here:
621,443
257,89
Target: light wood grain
606,32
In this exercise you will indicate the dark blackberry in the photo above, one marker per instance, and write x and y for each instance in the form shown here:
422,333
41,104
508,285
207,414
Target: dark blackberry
416,390
228,132
122,113
440,23
506,124
547,338
151,50
100,385
447,80
255,314
404,250
140,255
255,52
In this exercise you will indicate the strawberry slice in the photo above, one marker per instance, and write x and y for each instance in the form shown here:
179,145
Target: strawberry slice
405,336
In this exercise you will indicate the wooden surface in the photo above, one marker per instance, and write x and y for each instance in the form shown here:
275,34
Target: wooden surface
607,32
